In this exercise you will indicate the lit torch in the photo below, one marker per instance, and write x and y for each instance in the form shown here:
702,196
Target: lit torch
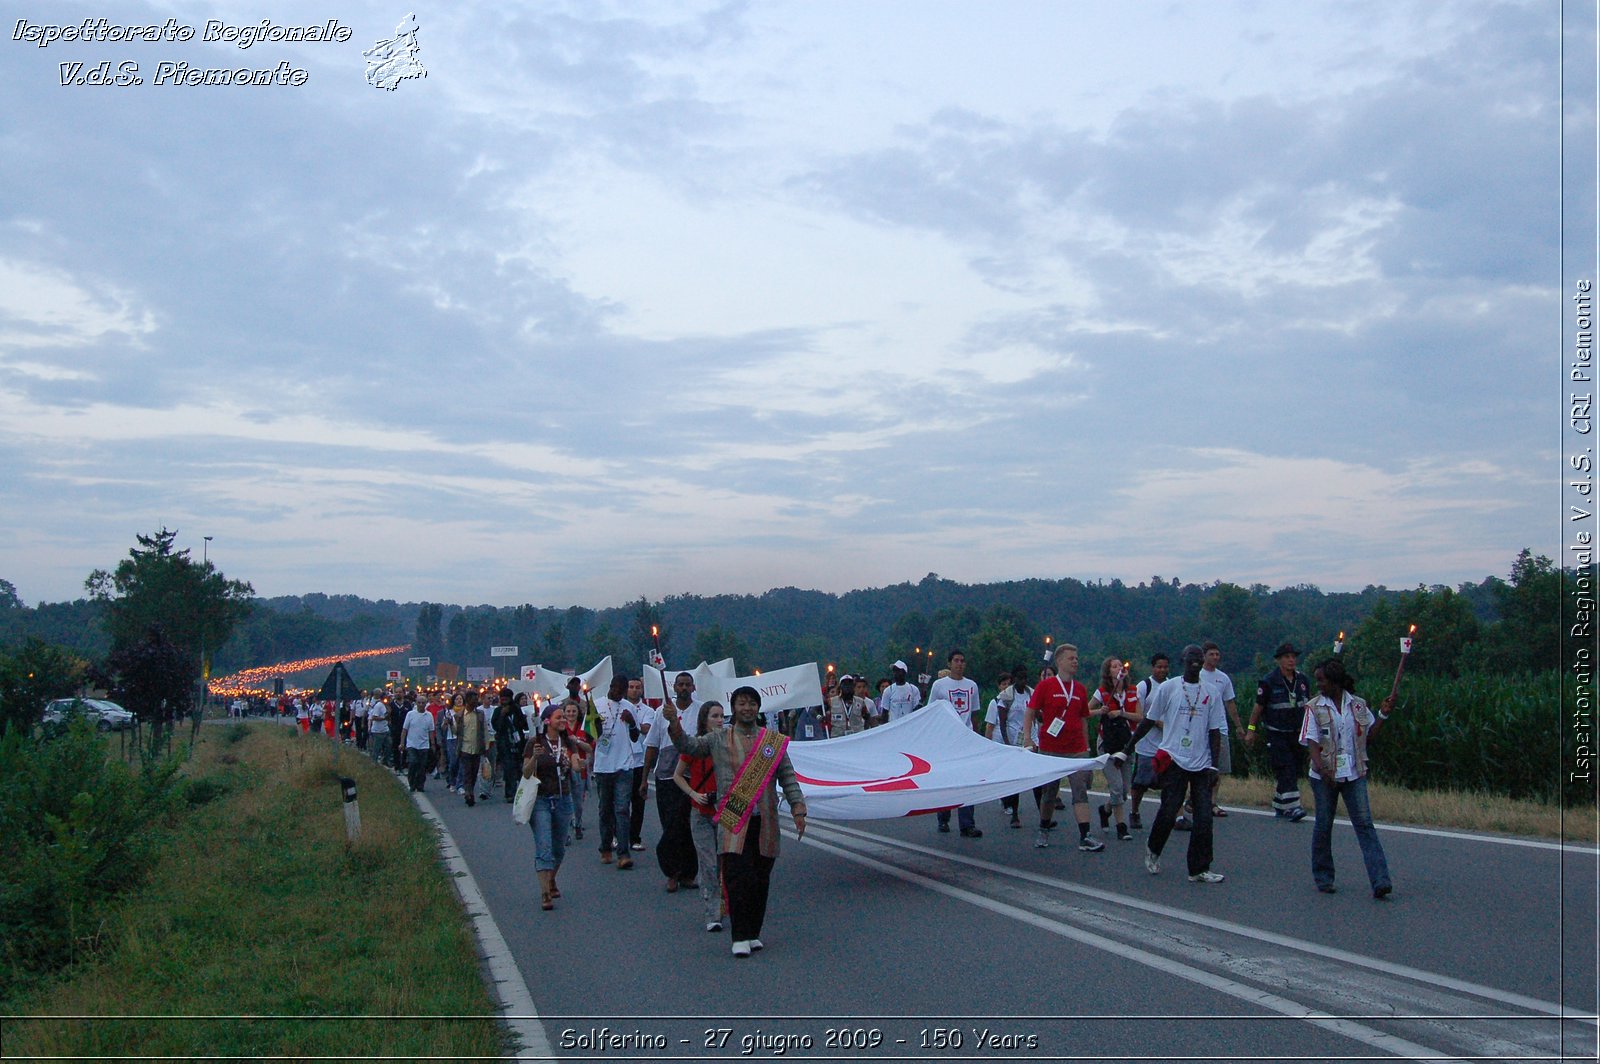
1405,652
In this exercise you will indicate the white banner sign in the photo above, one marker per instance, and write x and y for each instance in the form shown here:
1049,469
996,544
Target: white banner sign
548,683
394,675
793,688
706,678
503,652
419,663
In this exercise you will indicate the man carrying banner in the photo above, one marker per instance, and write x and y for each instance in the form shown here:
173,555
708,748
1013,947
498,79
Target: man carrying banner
901,697
751,764
962,693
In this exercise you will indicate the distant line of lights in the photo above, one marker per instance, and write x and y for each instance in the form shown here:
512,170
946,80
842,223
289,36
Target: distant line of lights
249,680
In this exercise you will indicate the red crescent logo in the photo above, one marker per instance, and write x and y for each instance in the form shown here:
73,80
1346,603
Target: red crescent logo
902,782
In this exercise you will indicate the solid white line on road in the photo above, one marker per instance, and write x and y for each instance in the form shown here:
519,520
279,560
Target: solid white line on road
516,1002
1271,937
1402,829
1208,980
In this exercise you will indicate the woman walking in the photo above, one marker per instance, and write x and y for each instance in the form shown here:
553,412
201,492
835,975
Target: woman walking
449,729
697,778
1116,703
550,753
1336,727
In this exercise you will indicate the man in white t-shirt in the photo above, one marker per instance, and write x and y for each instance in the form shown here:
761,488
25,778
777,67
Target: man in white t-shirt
1191,717
901,698
1222,683
613,778
416,738
645,714
962,693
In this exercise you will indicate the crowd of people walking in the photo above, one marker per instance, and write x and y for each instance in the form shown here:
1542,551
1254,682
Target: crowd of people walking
718,771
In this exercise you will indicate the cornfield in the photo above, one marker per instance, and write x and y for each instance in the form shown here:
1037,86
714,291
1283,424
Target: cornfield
1507,735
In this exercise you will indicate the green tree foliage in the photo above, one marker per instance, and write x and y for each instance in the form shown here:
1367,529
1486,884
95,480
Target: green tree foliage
80,828
1528,635
1446,628
32,675
716,642
428,636
603,641
995,648
9,599
156,586
1231,617
554,644
154,679
640,641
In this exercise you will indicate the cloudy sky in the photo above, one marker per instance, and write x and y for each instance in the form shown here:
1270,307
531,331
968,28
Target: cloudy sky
630,298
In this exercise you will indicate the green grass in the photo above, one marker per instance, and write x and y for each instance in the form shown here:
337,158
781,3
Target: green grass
257,908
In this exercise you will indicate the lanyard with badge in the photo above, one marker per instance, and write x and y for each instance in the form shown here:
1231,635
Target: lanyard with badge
1054,730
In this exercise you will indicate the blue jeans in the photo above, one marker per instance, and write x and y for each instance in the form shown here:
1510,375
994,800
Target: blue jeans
452,762
580,788
549,822
1355,801
614,805
965,816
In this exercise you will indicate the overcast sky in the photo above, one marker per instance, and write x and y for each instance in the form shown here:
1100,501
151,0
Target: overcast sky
642,299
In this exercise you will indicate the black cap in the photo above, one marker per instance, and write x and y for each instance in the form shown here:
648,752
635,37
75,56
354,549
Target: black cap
1286,648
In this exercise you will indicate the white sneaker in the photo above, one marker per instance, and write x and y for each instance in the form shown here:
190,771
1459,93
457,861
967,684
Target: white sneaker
1040,840
741,949
755,944
1152,863
714,926
1207,877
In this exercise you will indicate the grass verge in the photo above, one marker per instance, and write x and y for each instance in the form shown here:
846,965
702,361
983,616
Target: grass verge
260,934
1458,810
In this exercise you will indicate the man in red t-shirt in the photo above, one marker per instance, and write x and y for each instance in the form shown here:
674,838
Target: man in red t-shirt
1060,706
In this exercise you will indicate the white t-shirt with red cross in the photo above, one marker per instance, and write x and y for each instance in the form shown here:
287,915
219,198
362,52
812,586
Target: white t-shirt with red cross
962,693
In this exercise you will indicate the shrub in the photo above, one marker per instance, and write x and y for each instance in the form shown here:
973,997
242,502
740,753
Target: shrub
79,828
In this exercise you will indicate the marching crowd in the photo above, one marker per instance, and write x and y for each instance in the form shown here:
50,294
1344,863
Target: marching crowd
717,770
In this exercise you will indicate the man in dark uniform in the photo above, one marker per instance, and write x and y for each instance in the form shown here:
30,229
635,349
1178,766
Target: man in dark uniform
1281,699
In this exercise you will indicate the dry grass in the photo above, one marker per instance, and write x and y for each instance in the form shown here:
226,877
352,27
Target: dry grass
258,908
1461,810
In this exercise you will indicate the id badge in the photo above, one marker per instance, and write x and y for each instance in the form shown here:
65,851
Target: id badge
1054,731
1341,766
811,729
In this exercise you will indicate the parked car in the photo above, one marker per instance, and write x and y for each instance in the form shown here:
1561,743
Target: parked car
107,716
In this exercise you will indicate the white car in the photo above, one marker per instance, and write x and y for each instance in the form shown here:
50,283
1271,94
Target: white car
105,715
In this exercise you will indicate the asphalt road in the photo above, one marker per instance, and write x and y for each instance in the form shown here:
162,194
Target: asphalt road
885,939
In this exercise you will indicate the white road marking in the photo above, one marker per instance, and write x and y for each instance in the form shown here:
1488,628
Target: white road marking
1251,995
518,1010
1270,937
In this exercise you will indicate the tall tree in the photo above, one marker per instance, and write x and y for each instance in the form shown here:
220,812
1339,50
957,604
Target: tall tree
640,642
193,604
428,640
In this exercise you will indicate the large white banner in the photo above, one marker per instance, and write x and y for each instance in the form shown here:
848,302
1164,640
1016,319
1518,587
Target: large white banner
705,677
923,762
793,688
549,683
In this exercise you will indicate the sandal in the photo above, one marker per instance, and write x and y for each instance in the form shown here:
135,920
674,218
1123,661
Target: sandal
1217,810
